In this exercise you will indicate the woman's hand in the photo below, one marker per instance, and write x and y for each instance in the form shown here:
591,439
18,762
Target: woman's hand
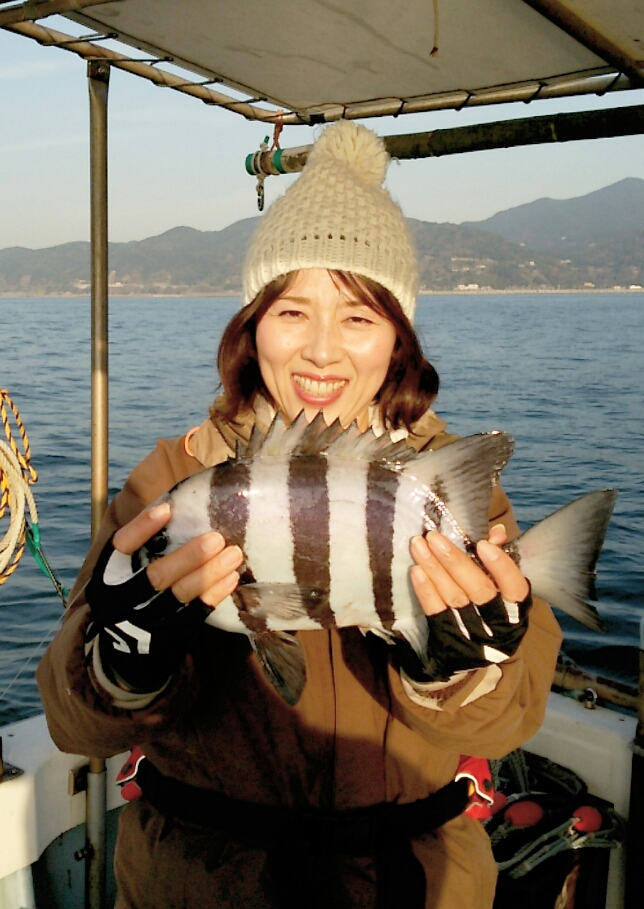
145,620
203,568
475,617
444,576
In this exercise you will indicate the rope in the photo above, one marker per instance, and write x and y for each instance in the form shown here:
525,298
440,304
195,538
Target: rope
16,476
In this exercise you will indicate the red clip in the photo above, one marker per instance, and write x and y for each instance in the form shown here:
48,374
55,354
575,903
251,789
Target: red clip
480,787
126,777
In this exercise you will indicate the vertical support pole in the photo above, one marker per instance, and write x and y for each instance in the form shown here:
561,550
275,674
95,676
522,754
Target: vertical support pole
98,77
635,838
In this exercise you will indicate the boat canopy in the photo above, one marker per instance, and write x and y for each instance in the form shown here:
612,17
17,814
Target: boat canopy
314,61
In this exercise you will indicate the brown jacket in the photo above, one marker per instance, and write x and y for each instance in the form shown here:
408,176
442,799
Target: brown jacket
357,737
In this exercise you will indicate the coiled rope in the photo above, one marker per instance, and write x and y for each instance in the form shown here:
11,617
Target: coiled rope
16,476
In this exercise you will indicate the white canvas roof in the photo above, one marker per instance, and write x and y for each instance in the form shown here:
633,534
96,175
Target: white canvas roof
322,59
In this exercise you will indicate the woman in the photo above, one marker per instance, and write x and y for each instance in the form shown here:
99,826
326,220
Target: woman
249,801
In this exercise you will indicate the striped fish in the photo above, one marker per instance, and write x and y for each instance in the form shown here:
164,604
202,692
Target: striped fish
324,517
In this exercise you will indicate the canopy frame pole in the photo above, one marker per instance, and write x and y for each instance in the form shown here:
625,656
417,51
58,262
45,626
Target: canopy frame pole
596,82
98,77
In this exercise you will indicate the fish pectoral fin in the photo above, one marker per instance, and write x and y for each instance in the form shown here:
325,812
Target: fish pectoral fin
282,602
387,636
282,661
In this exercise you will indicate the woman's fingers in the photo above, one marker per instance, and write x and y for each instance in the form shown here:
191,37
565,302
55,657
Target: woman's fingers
203,567
445,576
498,535
212,580
199,565
134,534
475,585
512,585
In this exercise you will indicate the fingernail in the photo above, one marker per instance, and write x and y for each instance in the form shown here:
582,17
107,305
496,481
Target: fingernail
159,511
231,581
487,551
231,557
438,543
212,543
419,547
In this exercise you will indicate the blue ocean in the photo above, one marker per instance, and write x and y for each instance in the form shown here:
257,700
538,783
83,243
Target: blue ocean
562,373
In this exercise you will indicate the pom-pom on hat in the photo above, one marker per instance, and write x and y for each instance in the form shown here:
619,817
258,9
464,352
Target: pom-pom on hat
337,215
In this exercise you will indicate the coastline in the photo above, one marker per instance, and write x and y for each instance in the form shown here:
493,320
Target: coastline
469,292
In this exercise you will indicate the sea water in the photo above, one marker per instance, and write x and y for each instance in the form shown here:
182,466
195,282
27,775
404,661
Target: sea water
561,372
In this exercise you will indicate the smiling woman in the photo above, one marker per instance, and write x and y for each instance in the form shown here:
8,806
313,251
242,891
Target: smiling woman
329,793
320,348
303,324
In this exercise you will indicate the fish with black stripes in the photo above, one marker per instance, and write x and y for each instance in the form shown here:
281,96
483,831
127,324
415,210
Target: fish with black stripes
324,516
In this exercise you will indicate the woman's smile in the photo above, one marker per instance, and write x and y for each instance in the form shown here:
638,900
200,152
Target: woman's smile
320,348
321,390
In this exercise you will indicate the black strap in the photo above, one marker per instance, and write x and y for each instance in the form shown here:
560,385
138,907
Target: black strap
309,839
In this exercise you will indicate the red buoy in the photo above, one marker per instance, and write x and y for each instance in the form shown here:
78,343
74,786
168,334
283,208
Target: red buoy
524,814
587,819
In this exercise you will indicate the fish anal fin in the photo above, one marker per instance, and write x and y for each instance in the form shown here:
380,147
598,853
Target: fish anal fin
281,659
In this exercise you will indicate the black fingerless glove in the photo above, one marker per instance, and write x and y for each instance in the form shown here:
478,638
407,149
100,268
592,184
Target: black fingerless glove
467,638
143,635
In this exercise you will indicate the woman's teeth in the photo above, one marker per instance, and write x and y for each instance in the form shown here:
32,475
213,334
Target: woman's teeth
319,388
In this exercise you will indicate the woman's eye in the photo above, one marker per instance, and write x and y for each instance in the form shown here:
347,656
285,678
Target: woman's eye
290,313
360,320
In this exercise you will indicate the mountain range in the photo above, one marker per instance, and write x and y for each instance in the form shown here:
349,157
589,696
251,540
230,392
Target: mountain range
596,240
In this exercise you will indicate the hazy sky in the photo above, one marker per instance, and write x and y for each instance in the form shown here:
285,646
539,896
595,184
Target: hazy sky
175,161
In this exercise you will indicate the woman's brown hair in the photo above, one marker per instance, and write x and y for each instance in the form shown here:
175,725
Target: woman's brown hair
411,383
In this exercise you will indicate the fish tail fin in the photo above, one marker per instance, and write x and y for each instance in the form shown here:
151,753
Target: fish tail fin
282,661
559,554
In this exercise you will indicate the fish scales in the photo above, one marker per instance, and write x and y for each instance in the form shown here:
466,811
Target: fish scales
309,526
351,591
324,517
382,486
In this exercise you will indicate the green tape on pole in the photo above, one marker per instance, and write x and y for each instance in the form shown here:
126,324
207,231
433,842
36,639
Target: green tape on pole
249,165
277,161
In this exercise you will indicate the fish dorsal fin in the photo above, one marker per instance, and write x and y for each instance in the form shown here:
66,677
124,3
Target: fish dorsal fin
302,439
462,475
255,443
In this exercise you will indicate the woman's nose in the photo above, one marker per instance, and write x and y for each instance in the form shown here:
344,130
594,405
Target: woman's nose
324,345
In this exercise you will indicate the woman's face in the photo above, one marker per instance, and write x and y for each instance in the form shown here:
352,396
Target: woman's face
320,348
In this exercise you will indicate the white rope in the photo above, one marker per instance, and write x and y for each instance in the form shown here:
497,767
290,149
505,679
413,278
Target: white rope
17,496
16,475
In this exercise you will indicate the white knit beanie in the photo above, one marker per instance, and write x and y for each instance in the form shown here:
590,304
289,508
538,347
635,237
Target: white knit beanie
337,215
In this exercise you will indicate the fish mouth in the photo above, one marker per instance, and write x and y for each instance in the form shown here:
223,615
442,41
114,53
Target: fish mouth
320,390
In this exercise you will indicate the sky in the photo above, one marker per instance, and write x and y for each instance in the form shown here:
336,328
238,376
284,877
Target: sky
176,162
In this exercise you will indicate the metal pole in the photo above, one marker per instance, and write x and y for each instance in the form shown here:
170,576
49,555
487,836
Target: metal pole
98,76
597,124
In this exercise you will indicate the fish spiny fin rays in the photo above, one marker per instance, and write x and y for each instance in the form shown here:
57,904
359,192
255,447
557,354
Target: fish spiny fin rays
461,477
301,438
282,661
559,554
